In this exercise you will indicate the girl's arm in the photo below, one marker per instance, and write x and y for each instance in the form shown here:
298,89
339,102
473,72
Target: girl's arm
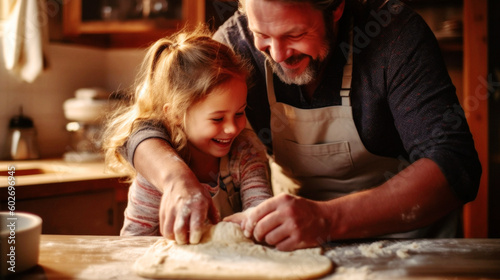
141,214
250,170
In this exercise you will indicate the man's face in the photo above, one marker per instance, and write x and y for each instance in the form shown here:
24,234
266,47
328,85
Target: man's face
292,35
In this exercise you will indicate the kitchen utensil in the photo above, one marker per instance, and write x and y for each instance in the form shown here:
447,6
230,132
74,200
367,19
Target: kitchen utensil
86,113
22,138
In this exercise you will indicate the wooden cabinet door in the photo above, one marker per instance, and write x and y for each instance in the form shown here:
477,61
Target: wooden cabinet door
93,213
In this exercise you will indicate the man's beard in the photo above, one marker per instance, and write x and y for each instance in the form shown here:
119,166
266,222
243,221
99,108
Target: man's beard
312,70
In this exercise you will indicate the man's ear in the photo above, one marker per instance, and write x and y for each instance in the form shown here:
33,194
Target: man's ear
337,13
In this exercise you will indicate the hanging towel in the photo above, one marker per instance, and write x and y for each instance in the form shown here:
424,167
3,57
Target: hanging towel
25,38
4,9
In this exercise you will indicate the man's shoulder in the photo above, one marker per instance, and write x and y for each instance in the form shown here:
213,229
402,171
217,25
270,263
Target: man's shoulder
234,31
381,23
383,15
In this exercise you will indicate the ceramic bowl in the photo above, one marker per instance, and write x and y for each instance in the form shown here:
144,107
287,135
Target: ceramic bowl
20,240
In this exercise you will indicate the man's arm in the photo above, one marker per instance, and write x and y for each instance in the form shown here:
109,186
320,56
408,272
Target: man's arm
185,204
416,197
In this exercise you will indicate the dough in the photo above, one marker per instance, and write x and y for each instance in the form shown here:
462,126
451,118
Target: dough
225,253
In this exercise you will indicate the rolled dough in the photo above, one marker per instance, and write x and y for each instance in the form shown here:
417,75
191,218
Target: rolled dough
225,253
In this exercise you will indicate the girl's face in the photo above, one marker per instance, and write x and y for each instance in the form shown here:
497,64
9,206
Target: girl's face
213,123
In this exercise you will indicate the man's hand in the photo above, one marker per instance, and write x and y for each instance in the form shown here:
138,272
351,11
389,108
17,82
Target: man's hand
287,222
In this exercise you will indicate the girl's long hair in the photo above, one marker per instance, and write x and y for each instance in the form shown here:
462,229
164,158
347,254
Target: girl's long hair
177,72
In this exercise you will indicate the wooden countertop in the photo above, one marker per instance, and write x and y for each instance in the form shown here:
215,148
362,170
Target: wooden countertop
35,179
111,257
48,171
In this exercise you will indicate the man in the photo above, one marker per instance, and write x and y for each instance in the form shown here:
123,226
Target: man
365,134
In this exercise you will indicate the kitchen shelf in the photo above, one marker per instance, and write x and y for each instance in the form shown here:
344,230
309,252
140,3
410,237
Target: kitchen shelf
128,26
451,45
110,33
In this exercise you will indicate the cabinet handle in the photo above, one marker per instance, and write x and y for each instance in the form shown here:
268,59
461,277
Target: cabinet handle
110,216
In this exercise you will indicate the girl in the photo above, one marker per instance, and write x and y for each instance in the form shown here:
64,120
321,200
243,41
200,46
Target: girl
195,88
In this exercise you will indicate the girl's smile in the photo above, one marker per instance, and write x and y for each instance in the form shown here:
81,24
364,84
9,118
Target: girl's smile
213,123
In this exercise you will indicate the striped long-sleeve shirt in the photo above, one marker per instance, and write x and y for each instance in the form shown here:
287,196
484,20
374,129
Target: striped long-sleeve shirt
248,166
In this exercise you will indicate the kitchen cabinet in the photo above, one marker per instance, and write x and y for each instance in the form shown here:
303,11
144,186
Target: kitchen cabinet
70,197
478,214
109,23
127,24
121,31
494,116
87,213
93,207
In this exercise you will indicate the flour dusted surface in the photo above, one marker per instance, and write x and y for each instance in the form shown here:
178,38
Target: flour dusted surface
225,253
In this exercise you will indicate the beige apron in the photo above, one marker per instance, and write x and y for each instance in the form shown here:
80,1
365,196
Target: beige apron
228,201
318,153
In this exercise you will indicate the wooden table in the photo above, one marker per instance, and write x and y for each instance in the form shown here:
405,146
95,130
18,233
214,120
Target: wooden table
111,257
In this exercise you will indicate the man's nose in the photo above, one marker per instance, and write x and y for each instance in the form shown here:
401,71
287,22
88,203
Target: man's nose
278,51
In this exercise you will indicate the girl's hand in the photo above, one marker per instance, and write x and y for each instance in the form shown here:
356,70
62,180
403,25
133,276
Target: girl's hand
184,211
185,205
239,218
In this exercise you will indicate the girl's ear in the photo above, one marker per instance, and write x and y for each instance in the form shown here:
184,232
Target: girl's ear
166,112
337,13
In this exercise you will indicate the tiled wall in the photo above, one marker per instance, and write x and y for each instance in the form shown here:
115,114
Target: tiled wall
70,67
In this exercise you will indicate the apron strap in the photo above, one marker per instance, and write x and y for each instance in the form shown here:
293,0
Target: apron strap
271,97
226,179
345,91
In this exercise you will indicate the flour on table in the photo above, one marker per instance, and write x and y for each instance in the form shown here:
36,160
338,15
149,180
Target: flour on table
378,249
225,253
